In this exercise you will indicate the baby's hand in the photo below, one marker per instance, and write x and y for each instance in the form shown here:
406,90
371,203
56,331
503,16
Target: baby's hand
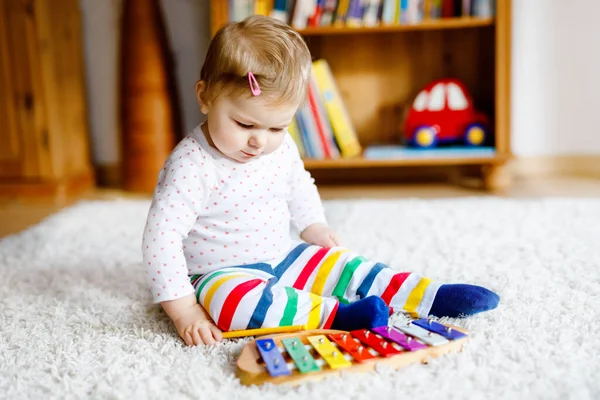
320,235
196,327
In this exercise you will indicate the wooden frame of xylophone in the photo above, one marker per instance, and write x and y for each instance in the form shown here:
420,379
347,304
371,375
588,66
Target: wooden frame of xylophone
280,358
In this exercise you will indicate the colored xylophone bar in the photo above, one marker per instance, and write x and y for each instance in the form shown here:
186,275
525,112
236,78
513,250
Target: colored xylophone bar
323,351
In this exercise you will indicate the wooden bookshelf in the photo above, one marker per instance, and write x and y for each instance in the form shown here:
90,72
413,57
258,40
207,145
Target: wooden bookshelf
379,70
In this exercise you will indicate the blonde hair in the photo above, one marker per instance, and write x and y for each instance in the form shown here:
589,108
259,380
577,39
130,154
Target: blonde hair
275,53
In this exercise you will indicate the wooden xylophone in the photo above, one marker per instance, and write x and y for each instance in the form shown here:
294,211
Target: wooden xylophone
314,354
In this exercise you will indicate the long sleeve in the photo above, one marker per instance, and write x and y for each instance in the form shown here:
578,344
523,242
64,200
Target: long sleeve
180,194
304,202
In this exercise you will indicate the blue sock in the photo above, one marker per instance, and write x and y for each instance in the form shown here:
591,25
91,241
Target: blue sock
456,300
366,313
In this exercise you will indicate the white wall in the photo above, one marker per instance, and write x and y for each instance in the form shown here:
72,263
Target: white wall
556,77
555,88
100,20
188,29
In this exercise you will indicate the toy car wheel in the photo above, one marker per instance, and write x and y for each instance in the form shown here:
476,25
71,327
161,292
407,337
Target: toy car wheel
425,136
475,135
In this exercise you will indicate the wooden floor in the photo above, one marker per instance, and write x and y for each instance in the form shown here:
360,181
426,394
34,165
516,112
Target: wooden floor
16,215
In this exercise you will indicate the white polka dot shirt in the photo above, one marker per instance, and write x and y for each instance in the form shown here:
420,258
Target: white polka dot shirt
211,212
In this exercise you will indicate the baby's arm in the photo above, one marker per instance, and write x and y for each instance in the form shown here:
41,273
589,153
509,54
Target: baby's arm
179,195
305,205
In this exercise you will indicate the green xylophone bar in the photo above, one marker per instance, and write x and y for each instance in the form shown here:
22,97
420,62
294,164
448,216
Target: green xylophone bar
302,358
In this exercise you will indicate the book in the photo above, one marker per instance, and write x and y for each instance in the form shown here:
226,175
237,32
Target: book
342,126
383,152
294,131
308,132
323,133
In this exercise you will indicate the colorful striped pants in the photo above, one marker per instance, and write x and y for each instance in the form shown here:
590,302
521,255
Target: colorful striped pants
306,288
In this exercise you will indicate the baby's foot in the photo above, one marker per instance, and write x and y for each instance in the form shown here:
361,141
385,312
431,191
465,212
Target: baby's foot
456,300
366,313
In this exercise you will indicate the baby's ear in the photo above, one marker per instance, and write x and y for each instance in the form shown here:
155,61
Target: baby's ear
201,96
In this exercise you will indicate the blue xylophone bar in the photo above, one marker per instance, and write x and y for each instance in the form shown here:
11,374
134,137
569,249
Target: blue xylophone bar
445,331
273,359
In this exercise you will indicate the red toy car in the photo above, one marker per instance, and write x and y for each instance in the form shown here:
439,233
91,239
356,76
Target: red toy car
443,113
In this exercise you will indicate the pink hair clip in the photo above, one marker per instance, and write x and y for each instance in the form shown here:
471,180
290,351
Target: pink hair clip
254,88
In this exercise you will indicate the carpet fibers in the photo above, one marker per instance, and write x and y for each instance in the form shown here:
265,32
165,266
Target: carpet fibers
76,319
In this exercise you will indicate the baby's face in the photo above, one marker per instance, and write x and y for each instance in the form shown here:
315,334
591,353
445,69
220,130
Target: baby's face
243,128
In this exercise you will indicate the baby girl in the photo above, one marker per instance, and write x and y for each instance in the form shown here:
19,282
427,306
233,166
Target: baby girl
217,247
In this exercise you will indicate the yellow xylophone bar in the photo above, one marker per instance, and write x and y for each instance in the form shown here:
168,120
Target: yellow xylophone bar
263,331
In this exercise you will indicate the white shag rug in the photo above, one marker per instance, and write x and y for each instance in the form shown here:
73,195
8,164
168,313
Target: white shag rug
76,319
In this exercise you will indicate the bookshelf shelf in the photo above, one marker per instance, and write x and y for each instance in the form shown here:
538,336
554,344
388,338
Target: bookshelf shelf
361,162
380,69
431,24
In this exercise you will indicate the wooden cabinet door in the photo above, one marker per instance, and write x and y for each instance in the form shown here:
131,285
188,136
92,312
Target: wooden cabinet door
24,150
10,149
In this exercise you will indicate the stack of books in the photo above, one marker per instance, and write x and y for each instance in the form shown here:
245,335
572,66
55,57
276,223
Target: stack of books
322,128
